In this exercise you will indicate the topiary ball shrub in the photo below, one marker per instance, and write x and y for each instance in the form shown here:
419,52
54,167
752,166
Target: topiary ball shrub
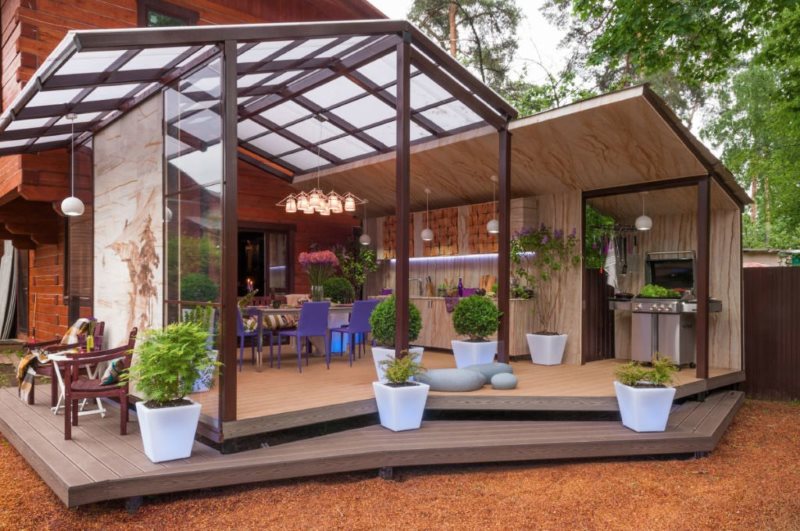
476,317
198,287
339,290
383,318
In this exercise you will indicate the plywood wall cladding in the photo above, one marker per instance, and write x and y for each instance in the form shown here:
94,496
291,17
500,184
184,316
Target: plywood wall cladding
444,224
480,241
389,231
679,233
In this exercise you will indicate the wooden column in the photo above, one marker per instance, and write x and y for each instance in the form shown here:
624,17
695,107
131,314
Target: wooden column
504,245
229,307
403,192
703,273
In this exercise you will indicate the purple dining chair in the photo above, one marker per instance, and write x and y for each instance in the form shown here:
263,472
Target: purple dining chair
255,334
313,322
359,324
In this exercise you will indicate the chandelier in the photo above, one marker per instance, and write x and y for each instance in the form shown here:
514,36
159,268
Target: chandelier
316,201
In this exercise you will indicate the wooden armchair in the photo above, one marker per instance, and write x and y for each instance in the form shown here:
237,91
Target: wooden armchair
54,346
76,388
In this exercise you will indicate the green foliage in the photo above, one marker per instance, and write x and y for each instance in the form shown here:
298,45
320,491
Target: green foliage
198,287
476,317
659,374
383,318
169,361
400,370
540,255
599,228
356,261
654,291
339,290
486,33
247,299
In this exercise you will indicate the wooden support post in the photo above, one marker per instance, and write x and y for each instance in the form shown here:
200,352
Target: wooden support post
703,273
403,185
229,306
504,246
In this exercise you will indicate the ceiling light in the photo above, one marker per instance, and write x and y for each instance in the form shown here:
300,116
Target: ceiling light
72,206
427,233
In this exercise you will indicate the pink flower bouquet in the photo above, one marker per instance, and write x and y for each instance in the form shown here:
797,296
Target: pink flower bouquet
319,265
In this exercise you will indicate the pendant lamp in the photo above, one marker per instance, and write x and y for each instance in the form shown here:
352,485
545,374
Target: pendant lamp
364,239
72,206
493,227
643,222
427,233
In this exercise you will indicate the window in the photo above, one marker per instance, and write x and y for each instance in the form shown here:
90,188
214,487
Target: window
264,262
159,14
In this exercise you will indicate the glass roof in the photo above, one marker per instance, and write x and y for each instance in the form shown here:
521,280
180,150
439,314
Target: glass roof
304,102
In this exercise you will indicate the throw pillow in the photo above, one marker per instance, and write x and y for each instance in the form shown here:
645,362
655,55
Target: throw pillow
112,372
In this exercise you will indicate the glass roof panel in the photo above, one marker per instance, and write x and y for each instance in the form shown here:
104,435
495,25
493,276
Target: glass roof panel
79,119
250,80
315,131
89,62
53,97
352,41
14,143
53,138
305,49
387,133
261,51
27,124
382,70
204,167
248,129
333,92
365,111
111,92
154,58
195,55
347,147
286,112
452,116
204,125
305,160
274,144
425,91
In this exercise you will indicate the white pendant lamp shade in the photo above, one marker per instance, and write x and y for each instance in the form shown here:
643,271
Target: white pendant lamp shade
493,227
291,206
644,222
426,234
349,203
72,206
364,239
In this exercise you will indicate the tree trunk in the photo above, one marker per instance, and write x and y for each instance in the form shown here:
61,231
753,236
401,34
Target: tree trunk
451,16
753,207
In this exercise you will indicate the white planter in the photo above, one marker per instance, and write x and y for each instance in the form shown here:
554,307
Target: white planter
644,409
168,433
400,408
382,353
546,349
469,353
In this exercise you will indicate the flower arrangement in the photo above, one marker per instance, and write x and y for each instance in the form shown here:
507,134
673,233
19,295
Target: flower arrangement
538,255
320,265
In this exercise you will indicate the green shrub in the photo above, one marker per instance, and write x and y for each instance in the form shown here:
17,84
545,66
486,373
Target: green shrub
383,318
198,287
659,374
476,317
662,371
169,361
400,370
630,374
339,290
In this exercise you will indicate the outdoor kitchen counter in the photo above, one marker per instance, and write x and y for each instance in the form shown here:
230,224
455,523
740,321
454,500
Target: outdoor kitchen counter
437,324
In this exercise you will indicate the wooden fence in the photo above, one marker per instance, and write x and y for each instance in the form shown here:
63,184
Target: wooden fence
771,308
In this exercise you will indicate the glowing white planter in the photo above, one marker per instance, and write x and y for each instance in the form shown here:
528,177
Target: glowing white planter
644,409
401,408
469,353
168,432
382,353
547,349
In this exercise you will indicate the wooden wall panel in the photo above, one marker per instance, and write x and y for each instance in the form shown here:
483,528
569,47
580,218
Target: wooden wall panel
48,310
480,241
444,224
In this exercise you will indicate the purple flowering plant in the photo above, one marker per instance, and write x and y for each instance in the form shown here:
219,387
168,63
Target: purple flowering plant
320,265
539,255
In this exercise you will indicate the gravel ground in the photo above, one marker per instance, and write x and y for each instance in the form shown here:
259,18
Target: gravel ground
752,481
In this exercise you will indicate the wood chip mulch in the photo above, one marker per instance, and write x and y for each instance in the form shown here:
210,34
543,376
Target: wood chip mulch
751,481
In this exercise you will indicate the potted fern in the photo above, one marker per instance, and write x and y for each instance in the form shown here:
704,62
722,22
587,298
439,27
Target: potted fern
401,401
168,363
477,317
382,322
643,396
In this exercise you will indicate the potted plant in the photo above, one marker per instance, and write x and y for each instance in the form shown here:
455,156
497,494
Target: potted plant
320,266
540,257
167,365
643,396
339,290
478,318
356,261
382,322
401,402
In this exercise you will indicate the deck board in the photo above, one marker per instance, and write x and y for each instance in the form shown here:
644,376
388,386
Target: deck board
36,433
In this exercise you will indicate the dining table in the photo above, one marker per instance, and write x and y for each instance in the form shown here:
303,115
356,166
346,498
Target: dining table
338,315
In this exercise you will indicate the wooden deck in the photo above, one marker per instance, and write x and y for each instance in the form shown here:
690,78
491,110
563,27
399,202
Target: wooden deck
273,399
99,464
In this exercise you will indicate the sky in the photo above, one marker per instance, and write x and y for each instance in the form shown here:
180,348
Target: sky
538,41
